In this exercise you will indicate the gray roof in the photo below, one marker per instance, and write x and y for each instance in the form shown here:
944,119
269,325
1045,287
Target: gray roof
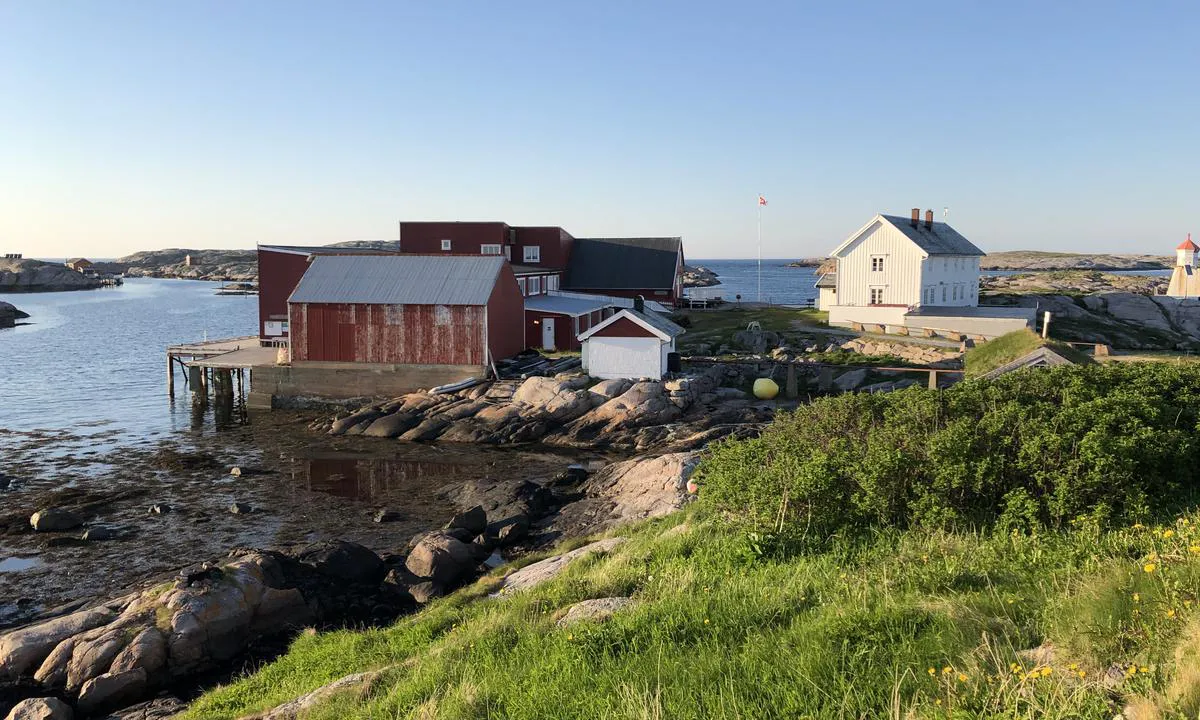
1042,357
827,280
399,279
658,321
563,305
623,263
941,239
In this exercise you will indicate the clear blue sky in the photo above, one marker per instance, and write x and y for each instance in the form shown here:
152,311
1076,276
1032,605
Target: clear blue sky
1043,125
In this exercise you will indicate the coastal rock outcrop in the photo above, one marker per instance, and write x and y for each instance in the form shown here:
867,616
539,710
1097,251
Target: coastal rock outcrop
1130,321
36,276
9,315
48,708
699,276
569,410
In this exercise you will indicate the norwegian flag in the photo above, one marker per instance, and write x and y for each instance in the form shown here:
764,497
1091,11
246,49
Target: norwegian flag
762,200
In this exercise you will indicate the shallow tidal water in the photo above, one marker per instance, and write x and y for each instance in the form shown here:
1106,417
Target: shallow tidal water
86,423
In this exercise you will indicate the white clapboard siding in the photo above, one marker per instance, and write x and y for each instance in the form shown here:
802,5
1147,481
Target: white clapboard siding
901,275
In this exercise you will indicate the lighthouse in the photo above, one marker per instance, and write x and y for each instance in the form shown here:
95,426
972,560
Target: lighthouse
1185,283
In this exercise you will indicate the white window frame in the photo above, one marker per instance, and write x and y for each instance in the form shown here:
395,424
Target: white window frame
532,257
552,284
877,263
489,249
876,296
508,253
524,287
943,293
446,244
535,285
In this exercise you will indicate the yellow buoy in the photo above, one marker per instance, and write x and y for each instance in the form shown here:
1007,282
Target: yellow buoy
765,389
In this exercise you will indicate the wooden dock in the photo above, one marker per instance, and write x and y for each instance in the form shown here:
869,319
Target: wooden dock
211,363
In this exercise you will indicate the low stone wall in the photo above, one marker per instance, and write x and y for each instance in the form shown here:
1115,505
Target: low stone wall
986,327
339,381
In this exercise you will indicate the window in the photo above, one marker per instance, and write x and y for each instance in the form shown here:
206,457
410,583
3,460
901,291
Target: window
489,249
552,282
508,253
943,293
521,284
446,245
535,285
876,296
876,263
533,254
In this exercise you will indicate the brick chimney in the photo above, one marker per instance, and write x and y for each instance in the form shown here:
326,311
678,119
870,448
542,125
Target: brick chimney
916,217
928,219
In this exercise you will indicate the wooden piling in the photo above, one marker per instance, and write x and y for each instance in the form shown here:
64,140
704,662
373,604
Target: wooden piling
170,376
790,387
933,383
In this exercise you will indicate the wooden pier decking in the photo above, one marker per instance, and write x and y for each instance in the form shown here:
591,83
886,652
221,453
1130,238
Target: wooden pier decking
198,360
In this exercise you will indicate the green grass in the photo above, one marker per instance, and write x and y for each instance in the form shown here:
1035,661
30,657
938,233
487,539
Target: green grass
717,327
725,625
992,354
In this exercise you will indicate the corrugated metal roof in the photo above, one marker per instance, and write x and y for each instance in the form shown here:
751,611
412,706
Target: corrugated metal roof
399,280
941,239
564,305
659,322
623,263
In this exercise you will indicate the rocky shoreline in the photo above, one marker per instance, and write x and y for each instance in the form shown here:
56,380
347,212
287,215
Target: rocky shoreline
569,411
10,314
29,276
172,632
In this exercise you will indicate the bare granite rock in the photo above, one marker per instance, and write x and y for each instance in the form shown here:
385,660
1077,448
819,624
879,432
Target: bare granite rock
47,708
594,610
544,570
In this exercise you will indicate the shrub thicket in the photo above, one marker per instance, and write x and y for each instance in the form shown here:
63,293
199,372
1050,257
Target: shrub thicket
1034,448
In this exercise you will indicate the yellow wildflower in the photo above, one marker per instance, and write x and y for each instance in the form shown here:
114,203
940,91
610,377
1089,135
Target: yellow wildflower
1194,548
1082,674
946,670
937,702
1073,666
1046,671
1137,526
705,621
1015,667
931,672
1137,597
1149,567
962,678
1168,533
1171,613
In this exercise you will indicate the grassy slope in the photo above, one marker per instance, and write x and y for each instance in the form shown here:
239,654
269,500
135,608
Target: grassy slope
990,355
920,624
716,327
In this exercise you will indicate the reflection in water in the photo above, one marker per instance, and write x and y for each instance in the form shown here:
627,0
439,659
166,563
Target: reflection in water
17,564
367,477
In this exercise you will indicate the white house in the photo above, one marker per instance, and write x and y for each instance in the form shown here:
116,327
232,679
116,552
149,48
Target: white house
632,343
911,273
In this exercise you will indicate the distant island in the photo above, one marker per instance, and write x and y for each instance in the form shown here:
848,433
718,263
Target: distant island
19,275
1040,260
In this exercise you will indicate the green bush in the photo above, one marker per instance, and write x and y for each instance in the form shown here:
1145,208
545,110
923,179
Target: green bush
1033,448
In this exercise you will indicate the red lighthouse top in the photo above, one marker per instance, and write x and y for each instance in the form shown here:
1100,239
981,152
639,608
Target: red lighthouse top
1188,244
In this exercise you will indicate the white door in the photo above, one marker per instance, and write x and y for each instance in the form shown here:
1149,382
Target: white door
547,333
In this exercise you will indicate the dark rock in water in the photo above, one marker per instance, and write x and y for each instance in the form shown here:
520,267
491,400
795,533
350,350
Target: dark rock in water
510,530
65,541
440,558
47,708
343,560
158,509
461,534
473,520
99,532
386,515
569,477
5,481
54,520
241,508
162,708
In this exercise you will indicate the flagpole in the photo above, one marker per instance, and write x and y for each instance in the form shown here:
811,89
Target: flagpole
760,248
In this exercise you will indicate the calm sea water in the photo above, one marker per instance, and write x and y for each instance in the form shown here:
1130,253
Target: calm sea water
94,361
781,285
